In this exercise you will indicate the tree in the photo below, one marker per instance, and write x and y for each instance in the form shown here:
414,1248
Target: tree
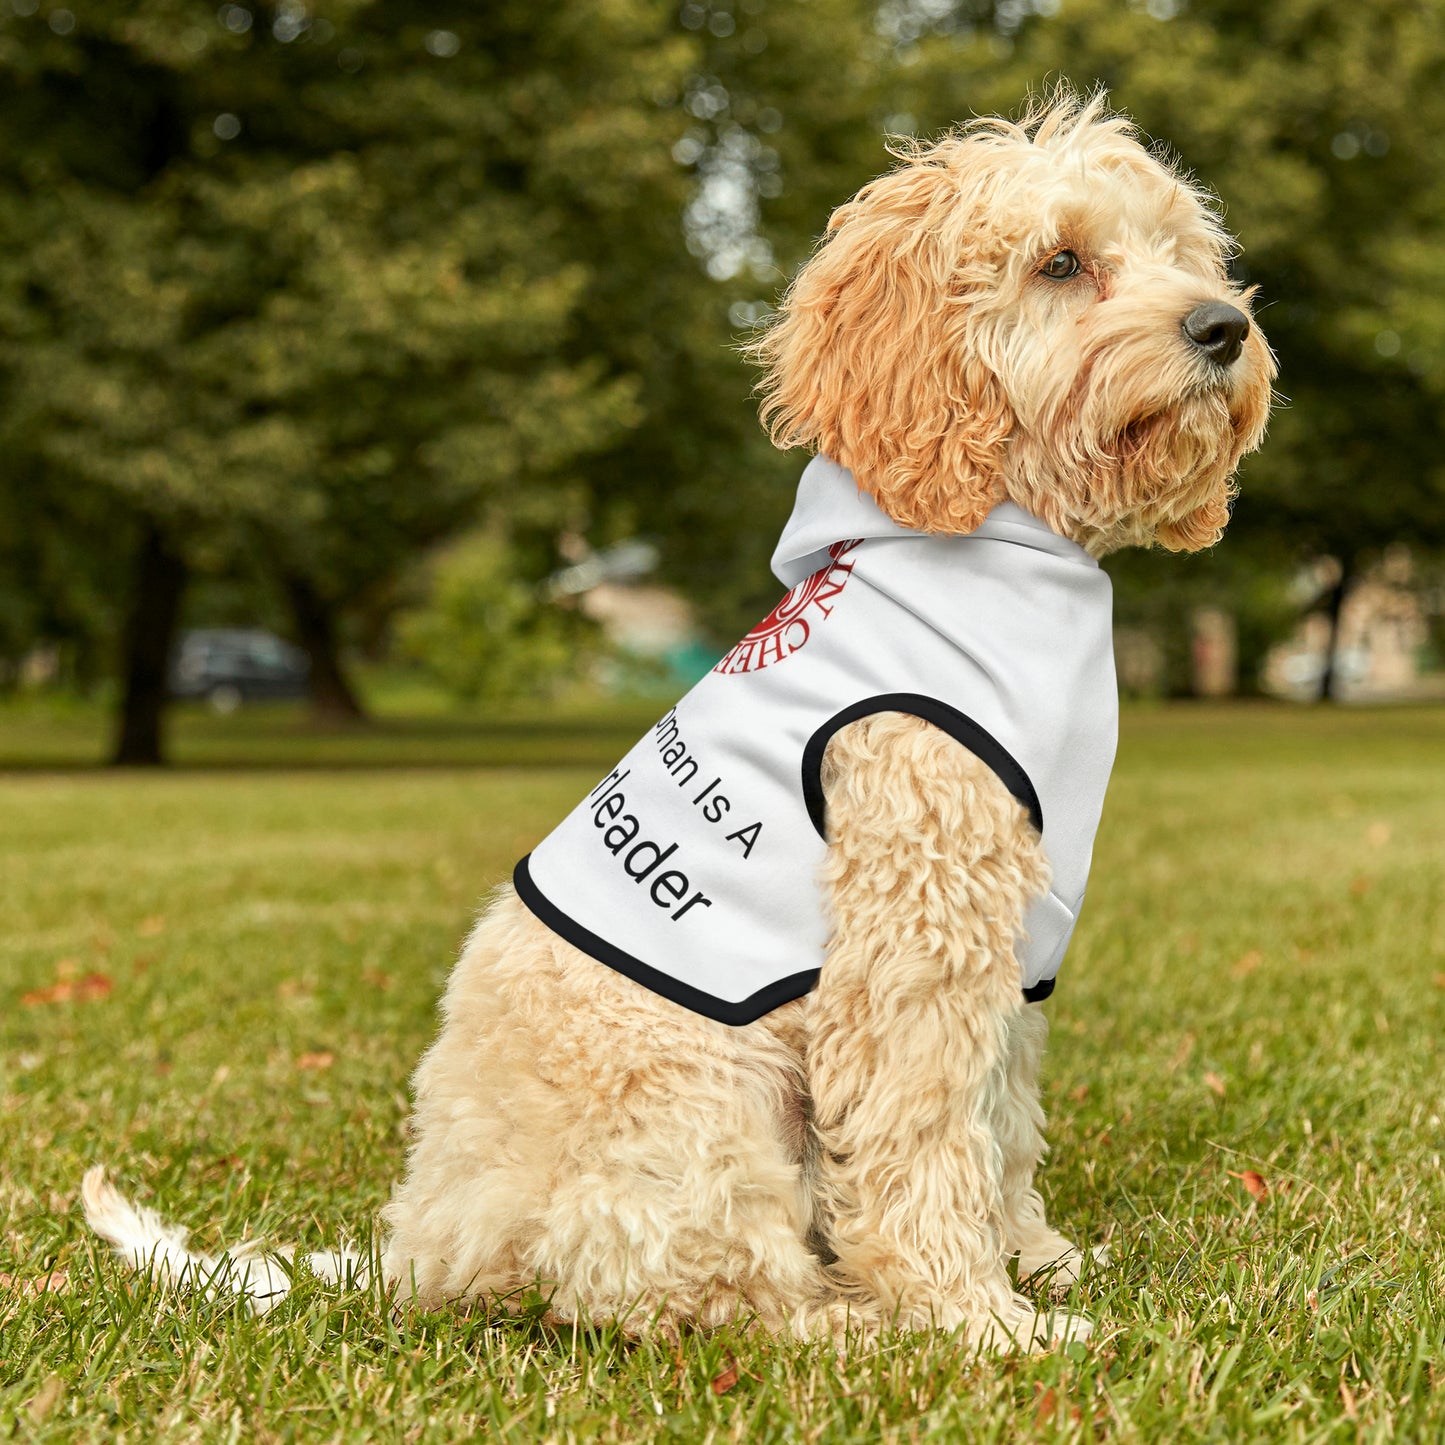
303,281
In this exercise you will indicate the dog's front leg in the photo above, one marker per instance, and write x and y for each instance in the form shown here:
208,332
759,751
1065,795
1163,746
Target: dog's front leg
931,864
1018,1121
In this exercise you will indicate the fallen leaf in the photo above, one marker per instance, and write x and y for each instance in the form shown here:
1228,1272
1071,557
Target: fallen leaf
321,1059
56,993
1046,1408
151,927
56,1282
83,990
1254,1182
1214,1083
724,1382
1247,964
1080,1094
1440,980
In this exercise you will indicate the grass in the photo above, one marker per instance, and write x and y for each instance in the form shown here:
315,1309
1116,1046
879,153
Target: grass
1258,984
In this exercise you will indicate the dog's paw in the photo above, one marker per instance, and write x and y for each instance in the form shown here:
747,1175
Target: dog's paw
1025,1327
1057,1268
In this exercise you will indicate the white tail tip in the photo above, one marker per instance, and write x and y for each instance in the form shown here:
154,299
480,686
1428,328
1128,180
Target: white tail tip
147,1243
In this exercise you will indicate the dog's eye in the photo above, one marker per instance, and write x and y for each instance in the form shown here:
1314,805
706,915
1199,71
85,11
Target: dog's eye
1060,266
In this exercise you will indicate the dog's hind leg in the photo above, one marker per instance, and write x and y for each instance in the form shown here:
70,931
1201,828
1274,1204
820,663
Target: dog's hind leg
579,1136
931,865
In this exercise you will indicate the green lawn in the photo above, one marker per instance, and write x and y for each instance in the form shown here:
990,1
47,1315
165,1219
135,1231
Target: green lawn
1258,984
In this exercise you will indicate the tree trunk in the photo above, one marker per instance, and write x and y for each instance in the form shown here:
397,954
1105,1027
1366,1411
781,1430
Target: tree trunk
150,629
1329,677
333,699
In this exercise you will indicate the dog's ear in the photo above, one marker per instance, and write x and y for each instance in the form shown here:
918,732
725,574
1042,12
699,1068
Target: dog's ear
873,359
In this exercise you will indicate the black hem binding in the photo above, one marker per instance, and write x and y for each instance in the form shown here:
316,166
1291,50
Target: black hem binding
1040,991
947,719
744,1011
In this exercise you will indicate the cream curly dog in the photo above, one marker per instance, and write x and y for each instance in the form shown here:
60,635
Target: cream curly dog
1035,314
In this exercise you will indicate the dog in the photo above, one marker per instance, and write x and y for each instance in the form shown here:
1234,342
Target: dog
673,1089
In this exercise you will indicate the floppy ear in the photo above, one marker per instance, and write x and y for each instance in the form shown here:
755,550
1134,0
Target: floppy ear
872,360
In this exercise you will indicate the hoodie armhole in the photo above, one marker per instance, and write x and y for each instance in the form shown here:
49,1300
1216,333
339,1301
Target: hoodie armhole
979,741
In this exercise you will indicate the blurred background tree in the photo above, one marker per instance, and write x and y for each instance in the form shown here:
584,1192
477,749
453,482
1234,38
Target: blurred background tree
293,293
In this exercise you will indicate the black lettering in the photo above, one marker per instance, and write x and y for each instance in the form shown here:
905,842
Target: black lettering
715,807
658,854
747,836
609,807
696,898
673,884
610,781
624,834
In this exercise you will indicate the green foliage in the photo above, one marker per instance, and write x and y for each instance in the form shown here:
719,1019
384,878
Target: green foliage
322,285
1266,909
484,633
313,289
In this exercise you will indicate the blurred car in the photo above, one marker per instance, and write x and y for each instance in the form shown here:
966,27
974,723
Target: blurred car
227,666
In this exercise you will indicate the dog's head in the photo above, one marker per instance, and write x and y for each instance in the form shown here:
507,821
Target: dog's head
1036,311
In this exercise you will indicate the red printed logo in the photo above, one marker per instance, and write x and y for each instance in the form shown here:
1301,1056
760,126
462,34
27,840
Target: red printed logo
789,625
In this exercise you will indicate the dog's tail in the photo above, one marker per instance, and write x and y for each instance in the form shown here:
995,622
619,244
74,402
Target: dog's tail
147,1243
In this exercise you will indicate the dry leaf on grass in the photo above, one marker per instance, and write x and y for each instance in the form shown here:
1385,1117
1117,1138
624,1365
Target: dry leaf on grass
1046,1407
723,1382
1440,980
1214,1083
66,990
321,1059
56,1282
1254,1182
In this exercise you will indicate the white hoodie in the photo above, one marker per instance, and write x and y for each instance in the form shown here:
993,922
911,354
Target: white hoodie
693,866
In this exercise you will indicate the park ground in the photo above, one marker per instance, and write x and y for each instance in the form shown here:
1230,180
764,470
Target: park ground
216,980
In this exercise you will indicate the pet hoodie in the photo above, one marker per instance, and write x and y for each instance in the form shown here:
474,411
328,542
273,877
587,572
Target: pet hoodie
692,867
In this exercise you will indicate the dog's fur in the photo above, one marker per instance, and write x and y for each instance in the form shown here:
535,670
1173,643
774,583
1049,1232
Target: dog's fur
866,1154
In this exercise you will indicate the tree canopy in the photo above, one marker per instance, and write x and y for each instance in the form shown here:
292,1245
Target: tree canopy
306,288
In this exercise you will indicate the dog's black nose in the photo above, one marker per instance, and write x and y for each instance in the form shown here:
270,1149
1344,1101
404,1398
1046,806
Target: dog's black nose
1217,330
